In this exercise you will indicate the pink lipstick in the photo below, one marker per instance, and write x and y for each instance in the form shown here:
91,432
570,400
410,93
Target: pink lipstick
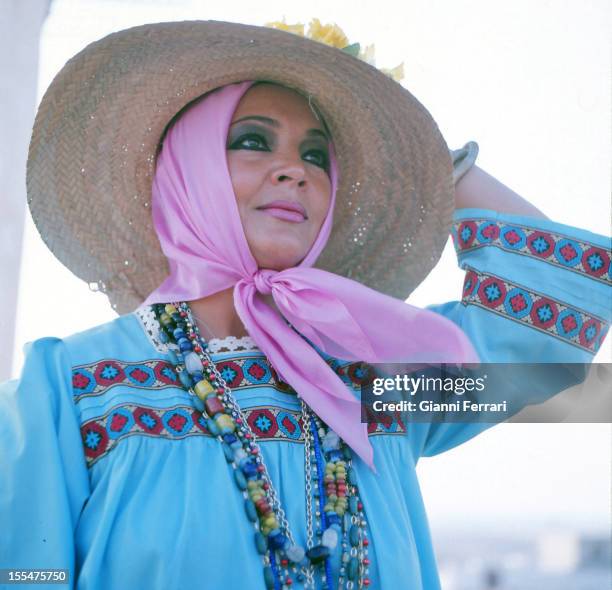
285,210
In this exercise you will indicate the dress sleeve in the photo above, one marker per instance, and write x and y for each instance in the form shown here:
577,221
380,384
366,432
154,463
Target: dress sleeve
535,291
44,483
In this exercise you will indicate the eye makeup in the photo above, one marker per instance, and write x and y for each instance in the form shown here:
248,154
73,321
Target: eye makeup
241,131
275,123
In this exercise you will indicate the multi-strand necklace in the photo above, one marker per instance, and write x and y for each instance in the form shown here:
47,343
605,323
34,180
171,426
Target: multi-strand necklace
335,519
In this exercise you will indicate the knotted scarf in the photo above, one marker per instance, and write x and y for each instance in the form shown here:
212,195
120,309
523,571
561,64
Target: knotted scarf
198,224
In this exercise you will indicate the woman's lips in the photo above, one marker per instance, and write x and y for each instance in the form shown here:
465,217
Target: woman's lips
285,210
284,214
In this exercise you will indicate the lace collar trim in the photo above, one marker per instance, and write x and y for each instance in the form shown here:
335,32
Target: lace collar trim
151,328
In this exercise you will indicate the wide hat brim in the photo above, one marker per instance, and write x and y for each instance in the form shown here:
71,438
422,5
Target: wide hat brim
93,147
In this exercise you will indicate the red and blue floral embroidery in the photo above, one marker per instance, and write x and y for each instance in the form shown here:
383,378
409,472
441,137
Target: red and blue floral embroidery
99,377
240,373
102,434
582,257
530,308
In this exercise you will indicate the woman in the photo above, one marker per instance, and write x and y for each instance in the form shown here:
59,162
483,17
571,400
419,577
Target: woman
211,436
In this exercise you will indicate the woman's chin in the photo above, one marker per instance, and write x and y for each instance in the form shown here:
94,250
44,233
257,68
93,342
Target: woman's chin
278,264
279,257
279,248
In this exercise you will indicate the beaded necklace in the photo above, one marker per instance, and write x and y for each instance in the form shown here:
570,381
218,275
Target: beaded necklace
337,518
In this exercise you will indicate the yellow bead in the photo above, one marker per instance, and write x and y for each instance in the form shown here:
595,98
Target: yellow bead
253,484
170,309
270,522
225,423
203,389
165,319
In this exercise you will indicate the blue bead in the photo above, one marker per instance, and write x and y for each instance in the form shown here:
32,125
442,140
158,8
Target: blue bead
269,578
174,359
352,505
249,468
176,316
229,439
352,476
163,336
261,543
197,376
198,403
229,454
185,379
318,553
240,480
332,518
185,345
335,455
178,334
250,509
354,535
276,540
212,427
236,444
346,521
353,568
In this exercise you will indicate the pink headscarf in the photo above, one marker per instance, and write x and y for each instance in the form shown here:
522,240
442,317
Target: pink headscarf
197,221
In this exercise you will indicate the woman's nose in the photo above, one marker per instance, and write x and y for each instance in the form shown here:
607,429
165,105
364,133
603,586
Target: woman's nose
289,172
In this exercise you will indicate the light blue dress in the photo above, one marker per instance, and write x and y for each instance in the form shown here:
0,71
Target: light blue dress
107,470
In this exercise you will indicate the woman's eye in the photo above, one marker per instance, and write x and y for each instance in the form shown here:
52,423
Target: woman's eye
320,158
255,141
251,137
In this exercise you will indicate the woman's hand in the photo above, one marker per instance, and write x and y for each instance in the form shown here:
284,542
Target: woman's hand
481,190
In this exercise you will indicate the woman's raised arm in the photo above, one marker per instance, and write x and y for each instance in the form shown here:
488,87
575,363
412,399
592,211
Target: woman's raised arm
479,190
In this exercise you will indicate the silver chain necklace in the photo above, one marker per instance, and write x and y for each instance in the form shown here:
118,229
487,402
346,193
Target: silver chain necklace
308,571
354,559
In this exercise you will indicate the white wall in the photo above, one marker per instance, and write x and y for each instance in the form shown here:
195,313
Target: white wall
20,24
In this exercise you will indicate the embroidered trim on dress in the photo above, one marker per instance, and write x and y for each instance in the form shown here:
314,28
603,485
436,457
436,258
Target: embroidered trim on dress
526,306
101,435
96,378
584,258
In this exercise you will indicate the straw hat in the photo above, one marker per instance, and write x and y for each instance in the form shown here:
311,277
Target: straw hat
92,154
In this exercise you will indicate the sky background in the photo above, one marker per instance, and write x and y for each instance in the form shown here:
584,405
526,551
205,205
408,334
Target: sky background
530,82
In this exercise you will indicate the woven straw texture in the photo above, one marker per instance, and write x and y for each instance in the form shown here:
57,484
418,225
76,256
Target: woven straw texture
92,153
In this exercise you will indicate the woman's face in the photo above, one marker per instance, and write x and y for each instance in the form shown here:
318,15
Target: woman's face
278,159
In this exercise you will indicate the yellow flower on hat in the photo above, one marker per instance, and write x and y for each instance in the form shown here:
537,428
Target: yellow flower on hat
367,55
333,35
397,73
297,29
